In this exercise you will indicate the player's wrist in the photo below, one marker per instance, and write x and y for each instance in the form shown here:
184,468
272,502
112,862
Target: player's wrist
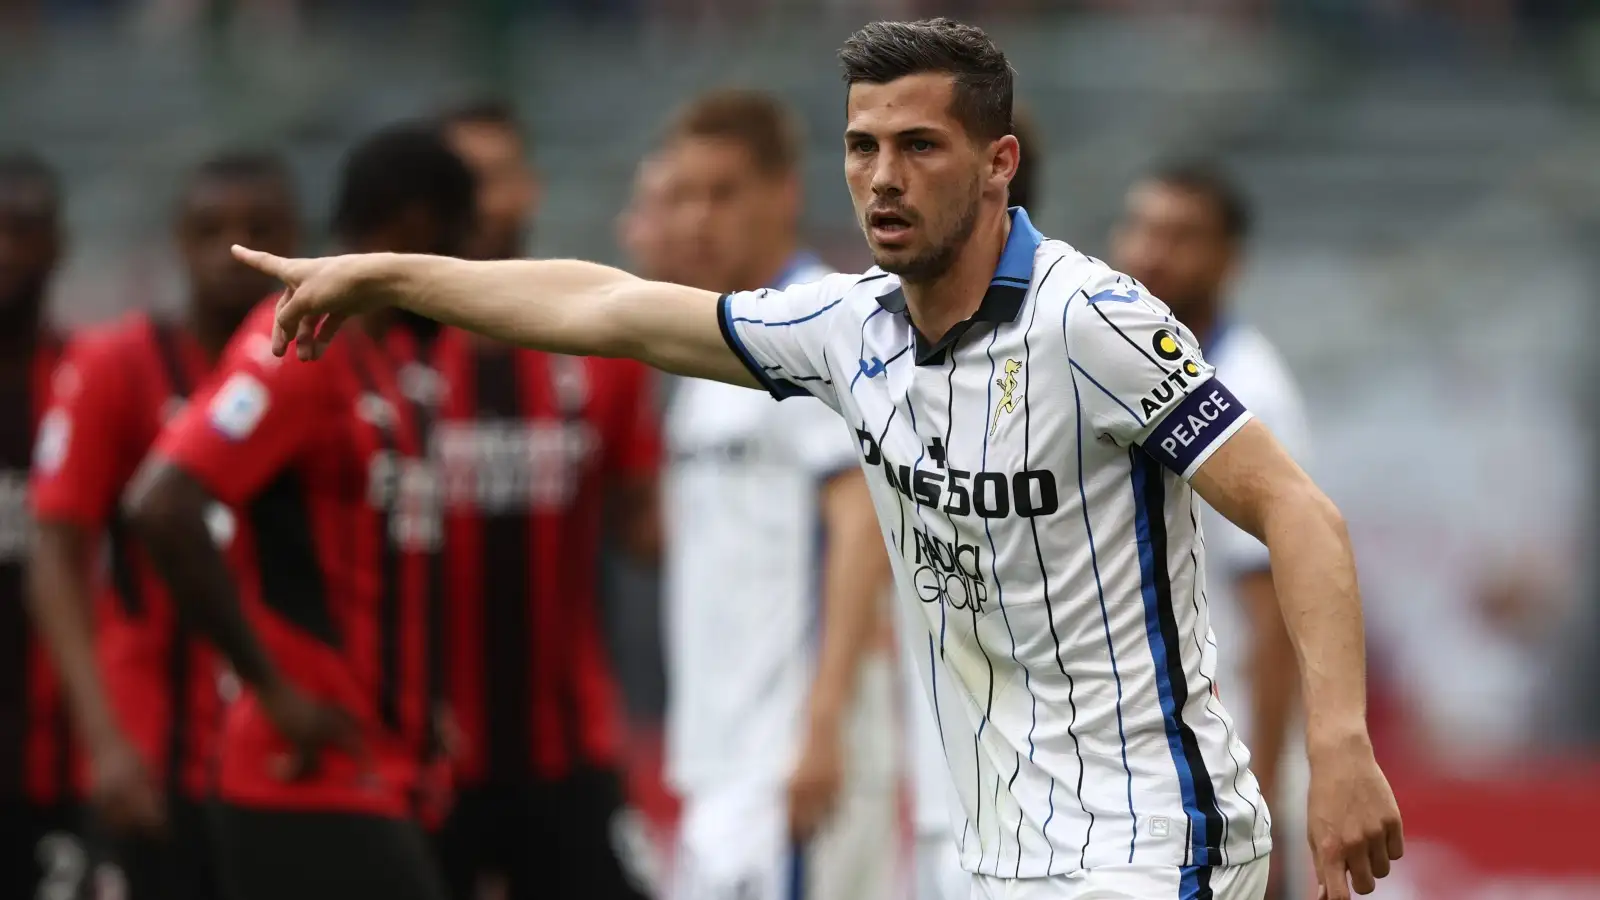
1337,738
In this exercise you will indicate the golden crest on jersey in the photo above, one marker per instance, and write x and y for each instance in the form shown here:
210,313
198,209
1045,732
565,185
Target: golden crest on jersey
1008,386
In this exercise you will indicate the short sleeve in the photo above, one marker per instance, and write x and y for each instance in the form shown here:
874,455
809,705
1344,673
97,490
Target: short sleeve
633,445
81,450
1141,381
781,336
250,421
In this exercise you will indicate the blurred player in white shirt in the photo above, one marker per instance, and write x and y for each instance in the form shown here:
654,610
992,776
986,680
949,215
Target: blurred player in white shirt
1181,234
774,567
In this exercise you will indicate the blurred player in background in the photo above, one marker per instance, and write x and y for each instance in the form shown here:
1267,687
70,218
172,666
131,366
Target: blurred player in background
1182,235
329,466
532,446
144,692
773,553
649,229
38,848
487,136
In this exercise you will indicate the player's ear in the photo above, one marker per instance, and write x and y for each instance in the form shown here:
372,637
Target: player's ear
1005,155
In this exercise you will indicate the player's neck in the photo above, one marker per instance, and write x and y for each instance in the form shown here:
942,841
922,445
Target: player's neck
938,305
211,329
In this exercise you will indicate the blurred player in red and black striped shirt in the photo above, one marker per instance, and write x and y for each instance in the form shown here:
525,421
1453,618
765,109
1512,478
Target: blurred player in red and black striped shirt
329,466
144,692
532,445
37,819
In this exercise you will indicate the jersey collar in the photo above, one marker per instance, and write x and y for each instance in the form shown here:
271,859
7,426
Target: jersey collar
1001,302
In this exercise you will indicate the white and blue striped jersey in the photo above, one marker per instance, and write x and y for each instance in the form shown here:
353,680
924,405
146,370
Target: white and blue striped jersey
1029,471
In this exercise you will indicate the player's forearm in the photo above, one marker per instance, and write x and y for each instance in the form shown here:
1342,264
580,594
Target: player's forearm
1274,676
569,307
60,599
1314,572
167,508
855,575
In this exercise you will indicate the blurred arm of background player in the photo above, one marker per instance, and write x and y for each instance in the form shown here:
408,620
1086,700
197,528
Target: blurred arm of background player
61,600
1274,677
855,576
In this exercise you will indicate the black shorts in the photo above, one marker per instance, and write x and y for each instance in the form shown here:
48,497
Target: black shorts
549,840
179,865
42,853
276,855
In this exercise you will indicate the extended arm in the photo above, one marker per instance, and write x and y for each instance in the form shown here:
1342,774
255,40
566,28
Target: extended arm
559,306
1250,479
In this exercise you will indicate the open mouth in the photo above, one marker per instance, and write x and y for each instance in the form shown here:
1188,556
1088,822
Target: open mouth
888,226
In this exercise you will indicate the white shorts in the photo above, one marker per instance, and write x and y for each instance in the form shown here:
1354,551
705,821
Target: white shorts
734,845
1242,882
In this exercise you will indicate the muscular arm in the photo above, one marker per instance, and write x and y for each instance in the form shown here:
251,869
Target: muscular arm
1253,482
167,508
1354,825
60,598
559,306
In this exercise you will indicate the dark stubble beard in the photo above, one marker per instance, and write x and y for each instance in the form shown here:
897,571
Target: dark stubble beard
930,266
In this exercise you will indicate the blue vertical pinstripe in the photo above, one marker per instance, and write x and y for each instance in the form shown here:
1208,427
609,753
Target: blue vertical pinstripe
1000,587
1161,654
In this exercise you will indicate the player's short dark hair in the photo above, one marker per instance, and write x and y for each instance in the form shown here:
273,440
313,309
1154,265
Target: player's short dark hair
491,111
755,120
885,51
1025,184
1211,181
24,167
244,164
396,169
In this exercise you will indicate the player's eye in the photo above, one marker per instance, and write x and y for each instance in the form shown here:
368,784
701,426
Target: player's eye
863,145
921,145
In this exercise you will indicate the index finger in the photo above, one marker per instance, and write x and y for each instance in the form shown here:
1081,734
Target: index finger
1396,839
276,266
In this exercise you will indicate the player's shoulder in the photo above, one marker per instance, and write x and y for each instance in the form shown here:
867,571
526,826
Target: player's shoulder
1094,299
833,298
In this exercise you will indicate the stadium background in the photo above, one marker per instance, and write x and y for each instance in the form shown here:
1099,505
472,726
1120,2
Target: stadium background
1427,174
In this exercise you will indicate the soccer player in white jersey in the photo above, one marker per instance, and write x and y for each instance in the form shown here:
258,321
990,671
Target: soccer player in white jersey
784,767
1034,429
1181,234
939,875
